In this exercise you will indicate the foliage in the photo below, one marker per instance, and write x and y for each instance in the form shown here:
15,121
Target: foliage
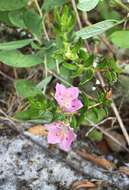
62,54
120,38
87,5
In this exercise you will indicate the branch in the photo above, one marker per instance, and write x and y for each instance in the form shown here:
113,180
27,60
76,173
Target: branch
122,5
113,106
41,15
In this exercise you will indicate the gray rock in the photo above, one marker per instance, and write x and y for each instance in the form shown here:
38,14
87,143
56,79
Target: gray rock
24,166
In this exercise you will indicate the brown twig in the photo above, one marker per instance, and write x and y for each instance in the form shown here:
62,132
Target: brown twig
107,134
100,123
79,22
41,15
116,112
102,38
102,162
6,76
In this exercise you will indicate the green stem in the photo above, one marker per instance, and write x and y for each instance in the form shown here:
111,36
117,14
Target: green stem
57,67
47,37
45,66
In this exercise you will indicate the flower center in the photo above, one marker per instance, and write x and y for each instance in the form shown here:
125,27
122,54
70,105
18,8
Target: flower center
66,101
63,131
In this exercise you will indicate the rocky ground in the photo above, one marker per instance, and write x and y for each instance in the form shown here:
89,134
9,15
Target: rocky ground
26,163
25,166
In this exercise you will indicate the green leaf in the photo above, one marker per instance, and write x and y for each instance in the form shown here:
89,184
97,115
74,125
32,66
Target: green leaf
4,18
83,54
50,4
16,18
46,117
109,64
35,116
27,19
44,83
106,10
14,44
74,122
33,22
95,135
47,52
120,38
94,116
96,29
27,88
70,66
77,73
37,111
87,5
88,75
111,76
65,74
19,60
59,116
89,62
64,21
9,5
26,115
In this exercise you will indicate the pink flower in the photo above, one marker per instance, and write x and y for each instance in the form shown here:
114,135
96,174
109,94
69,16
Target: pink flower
61,134
67,98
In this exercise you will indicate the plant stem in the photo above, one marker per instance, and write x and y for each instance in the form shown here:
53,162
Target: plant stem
79,22
67,83
57,67
96,126
41,15
100,77
45,65
77,14
122,5
115,110
102,38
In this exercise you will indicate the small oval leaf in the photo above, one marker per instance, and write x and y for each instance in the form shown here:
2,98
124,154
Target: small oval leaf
96,29
12,5
120,38
26,88
87,5
19,60
14,44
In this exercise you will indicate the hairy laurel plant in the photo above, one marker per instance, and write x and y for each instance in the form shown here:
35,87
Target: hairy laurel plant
66,46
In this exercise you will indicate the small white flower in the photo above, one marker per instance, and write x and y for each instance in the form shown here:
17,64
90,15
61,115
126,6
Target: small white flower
93,88
98,82
18,29
94,64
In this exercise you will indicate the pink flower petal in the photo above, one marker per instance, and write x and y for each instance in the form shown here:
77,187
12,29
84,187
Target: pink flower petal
67,98
54,130
61,134
54,125
76,105
73,92
65,144
53,136
60,89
